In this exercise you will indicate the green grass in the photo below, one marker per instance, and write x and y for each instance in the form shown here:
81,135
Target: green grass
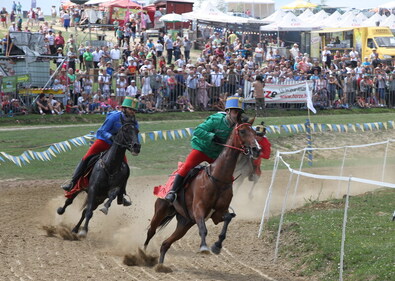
312,238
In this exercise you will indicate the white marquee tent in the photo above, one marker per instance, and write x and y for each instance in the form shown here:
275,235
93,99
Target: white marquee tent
208,12
258,8
290,22
306,15
275,17
373,20
333,20
389,21
350,21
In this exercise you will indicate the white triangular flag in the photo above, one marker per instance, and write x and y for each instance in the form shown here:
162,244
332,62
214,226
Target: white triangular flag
310,99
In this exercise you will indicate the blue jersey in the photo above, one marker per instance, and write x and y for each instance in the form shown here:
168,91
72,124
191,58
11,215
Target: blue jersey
111,126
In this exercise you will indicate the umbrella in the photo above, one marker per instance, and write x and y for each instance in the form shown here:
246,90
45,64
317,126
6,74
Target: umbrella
173,17
299,4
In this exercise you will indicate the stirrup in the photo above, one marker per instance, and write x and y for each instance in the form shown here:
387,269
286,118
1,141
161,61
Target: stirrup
171,196
67,187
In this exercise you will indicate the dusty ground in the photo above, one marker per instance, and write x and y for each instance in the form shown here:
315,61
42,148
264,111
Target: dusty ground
27,253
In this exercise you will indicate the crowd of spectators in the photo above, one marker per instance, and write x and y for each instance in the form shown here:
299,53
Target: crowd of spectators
162,75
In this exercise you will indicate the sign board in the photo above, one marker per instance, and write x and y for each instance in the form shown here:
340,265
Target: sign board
9,84
23,78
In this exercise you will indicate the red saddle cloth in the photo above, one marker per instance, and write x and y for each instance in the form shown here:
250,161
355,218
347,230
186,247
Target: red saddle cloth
81,184
161,190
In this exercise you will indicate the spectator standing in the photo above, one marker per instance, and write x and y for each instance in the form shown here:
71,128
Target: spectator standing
87,58
259,95
19,8
66,20
115,55
121,87
202,93
3,17
187,48
59,40
169,48
294,51
132,90
97,54
354,57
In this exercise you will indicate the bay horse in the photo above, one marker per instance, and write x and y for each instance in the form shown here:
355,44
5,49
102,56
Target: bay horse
208,195
109,175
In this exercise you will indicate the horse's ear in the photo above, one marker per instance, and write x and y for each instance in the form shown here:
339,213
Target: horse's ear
251,120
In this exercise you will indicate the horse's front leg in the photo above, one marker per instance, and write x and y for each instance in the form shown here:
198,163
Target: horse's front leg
203,234
91,205
68,202
77,227
112,194
160,214
226,218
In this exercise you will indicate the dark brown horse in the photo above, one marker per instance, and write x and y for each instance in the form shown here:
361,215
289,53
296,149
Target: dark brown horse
208,195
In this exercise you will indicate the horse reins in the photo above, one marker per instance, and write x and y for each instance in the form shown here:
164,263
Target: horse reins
242,149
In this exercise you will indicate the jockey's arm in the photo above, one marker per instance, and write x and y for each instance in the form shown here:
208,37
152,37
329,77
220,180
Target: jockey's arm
205,130
104,131
265,148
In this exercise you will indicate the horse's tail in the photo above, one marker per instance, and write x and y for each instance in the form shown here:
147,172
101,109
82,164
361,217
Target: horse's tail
166,221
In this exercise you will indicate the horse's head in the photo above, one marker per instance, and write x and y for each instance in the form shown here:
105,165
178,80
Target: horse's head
244,137
128,135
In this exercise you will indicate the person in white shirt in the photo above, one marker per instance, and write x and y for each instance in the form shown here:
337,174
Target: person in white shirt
97,54
13,27
121,87
132,90
115,55
354,58
294,51
159,49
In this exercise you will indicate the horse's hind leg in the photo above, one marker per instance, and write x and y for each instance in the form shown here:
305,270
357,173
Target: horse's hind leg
68,202
216,248
112,194
162,211
77,227
182,227
92,205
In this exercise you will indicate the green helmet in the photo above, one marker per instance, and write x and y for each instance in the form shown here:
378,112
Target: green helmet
130,102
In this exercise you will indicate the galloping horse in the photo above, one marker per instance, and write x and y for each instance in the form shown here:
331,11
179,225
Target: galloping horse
208,195
109,174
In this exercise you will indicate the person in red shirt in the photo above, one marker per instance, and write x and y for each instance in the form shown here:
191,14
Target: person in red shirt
59,40
265,151
111,101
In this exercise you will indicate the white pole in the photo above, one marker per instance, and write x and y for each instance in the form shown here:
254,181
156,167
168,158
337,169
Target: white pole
344,231
269,193
341,171
297,180
385,160
282,216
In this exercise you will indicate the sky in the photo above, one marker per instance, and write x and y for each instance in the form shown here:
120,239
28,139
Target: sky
46,4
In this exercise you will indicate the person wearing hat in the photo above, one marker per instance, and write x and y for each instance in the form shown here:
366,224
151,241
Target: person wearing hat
104,140
265,145
208,139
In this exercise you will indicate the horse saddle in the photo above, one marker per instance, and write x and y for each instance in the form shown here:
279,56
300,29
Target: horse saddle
193,173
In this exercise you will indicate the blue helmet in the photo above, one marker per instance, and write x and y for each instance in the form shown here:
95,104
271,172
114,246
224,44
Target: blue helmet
234,102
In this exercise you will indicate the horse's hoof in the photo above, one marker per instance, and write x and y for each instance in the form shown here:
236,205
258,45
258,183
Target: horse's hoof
60,211
82,234
104,210
215,250
162,268
204,250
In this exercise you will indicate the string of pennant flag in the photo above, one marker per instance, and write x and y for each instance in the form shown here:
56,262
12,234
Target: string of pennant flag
56,148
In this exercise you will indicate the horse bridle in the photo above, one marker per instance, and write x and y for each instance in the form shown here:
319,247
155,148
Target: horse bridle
127,146
245,150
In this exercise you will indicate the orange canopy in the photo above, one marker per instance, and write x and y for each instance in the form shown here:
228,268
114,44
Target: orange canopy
122,4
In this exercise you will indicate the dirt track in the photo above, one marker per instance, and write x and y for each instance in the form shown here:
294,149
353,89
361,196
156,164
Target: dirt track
27,253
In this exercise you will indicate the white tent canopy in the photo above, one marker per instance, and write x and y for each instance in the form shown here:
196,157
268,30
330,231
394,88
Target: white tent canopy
373,20
94,2
333,20
258,8
318,17
289,23
208,12
389,21
362,16
350,21
275,17
306,15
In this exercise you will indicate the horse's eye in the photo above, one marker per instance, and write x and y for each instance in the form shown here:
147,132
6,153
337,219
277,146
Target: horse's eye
242,132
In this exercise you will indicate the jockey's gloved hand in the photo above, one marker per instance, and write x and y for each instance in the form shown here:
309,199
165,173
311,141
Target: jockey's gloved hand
218,140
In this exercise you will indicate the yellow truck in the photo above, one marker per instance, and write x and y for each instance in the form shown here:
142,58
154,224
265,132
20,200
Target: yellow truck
363,39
